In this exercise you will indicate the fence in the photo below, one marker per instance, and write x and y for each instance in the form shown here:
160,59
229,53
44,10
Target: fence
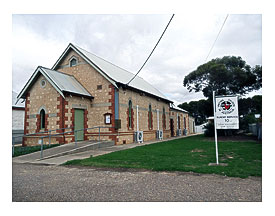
17,136
200,128
41,139
256,130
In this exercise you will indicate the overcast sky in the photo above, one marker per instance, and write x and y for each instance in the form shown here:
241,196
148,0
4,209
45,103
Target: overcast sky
127,40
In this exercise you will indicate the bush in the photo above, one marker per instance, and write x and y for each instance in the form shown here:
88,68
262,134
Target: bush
20,150
246,120
210,132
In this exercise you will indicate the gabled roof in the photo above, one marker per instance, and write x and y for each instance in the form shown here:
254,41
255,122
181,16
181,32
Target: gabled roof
114,74
14,99
179,109
60,81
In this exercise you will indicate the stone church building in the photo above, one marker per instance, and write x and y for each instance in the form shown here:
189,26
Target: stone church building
83,90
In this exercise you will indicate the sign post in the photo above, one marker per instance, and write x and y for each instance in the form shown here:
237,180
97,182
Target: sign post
225,115
216,138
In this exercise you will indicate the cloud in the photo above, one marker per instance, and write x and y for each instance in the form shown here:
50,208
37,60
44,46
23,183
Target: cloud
127,40
30,50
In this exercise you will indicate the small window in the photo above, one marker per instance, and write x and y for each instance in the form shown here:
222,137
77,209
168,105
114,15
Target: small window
73,62
43,83
42,119
99,87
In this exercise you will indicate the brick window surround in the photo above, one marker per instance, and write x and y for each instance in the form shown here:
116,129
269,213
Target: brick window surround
150,118
163,119
130,116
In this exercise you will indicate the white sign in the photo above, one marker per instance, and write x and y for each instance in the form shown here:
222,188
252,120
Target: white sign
107,119
227,116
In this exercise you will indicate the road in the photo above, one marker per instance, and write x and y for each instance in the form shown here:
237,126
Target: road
39,183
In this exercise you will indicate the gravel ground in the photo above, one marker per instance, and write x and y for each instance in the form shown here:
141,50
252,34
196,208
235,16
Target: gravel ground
60,184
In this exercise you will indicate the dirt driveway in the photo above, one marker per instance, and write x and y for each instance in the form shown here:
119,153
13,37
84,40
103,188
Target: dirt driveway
59,183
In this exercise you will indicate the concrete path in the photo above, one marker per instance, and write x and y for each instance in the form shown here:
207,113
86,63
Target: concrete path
61,154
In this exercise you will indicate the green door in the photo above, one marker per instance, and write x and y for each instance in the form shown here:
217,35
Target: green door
79,123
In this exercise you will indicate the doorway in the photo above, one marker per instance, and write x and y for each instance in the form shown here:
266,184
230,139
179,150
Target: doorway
172,127
79,123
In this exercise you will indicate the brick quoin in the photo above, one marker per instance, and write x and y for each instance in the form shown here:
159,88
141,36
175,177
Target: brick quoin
66,118
72,125
66,110
72,111
112,108
61,115
38,123
26,123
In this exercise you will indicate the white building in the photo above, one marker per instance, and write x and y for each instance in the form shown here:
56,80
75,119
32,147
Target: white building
18,114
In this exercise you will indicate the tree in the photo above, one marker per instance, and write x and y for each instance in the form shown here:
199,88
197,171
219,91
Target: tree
227,75
248,107
200,110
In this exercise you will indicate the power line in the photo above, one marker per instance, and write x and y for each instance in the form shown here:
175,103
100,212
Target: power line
216,37
152,50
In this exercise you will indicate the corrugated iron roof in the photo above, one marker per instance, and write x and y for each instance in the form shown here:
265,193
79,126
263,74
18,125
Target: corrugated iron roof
60,81
178,109
66,83
113,73
120,75
14,99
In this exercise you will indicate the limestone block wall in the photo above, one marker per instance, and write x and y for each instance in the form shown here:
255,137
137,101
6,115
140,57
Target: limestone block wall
39,98
99,87
93,116
126,134
92,81
174,115
103,102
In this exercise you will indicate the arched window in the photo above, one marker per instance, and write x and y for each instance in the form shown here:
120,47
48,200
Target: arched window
130,114
73,62
42,119
150,125
184,123
178,121
163,119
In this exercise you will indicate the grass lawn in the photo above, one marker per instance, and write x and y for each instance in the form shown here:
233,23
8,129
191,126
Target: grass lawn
244,158
19,150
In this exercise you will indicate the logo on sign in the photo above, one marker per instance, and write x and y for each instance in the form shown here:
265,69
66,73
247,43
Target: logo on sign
226,106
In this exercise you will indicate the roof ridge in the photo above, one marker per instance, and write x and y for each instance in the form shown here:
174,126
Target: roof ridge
56,71
102,64
105,60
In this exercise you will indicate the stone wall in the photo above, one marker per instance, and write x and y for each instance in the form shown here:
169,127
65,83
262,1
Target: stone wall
103,103
174,114
39,98
99,87
143,101
60,111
